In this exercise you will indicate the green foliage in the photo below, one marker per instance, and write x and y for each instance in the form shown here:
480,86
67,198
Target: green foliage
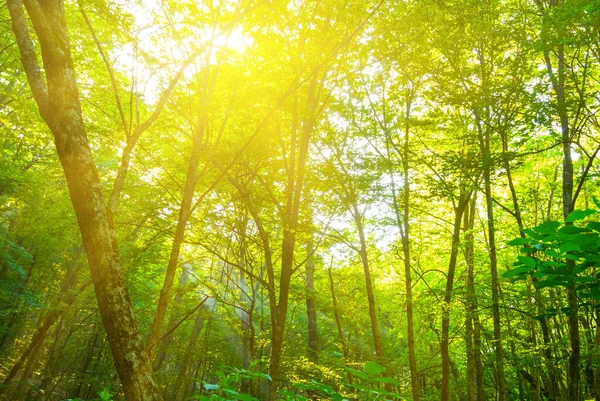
105,394
369,384
227,386
556,254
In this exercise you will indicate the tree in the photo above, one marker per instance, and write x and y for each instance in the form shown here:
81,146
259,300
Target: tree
57,97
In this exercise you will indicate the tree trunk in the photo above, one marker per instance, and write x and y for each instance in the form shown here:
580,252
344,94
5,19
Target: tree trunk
36,341
294,191
368,282
338,324
484,141
311,309
458,212
184,363
184,214
474,391
161,354
57,98
402,220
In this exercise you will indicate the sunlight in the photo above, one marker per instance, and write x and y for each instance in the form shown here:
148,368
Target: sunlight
236,41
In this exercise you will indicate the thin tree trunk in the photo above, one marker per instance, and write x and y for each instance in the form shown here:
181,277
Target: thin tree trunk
92,342
368,282
184,214
471,304
37,339
558,85
338,323
484,141
161,354
458,213
402,220
181,380
311,309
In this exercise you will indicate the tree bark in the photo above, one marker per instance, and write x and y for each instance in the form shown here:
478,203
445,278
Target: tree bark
161,354
294,191
338,323
475,389
57,98
368,281
185,211
181,380
484,141
458,213
402,213
311,308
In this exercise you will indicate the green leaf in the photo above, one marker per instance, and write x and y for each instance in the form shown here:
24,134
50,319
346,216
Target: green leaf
595,292
527,261
358,373
516,272
570,230
576,215
244,397
593,225
548,227
568,247
549,283
387,380
373,368
519,241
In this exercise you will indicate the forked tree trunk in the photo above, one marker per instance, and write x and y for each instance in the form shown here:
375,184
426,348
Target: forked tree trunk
294,193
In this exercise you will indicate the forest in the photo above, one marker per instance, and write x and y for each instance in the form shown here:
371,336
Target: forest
300,200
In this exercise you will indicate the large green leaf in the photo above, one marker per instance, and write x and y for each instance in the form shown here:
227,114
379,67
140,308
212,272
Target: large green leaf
373,368
527,261
519,241
516,272
577,215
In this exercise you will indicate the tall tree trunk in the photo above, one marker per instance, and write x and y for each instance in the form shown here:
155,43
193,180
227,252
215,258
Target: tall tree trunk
185,212
553,388
596,358
246,313
368,281
36,341
557,79
161,354
338,323
294,192
57,98
458,213
402,220
475,389
181,381
311,309
484,141
91,348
